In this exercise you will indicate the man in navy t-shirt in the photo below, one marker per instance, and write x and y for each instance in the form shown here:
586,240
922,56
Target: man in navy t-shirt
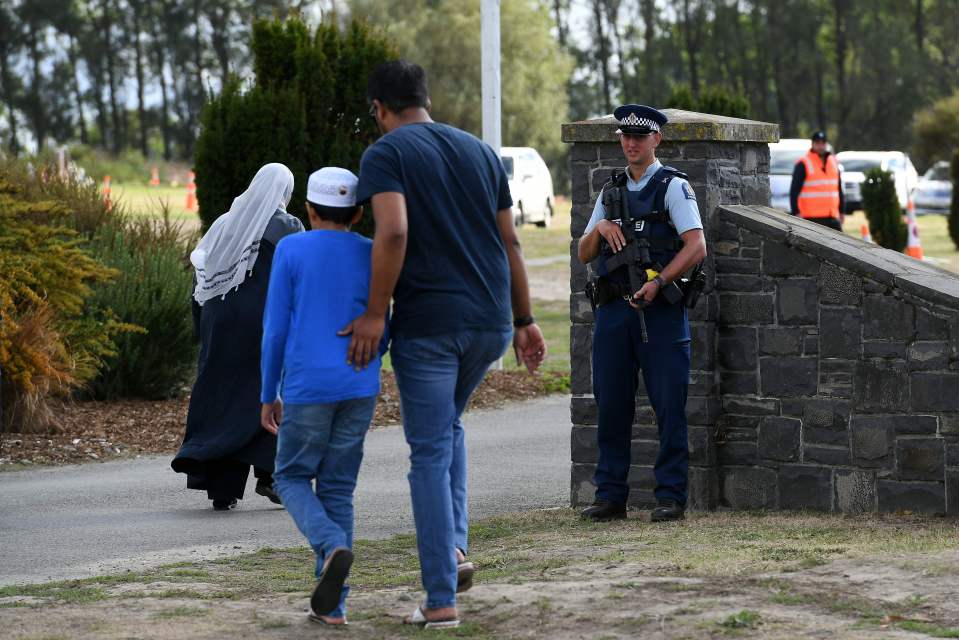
446,251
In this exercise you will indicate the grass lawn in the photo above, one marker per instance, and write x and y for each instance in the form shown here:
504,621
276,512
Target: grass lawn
937,246
550,241
546,574
149,201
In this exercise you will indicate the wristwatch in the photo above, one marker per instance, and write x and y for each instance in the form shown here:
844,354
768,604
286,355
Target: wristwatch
523,321
659,281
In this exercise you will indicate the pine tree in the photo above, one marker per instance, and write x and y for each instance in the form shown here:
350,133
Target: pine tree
306,108
881,204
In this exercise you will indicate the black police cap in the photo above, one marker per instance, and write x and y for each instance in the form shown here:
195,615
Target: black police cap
638,119
819,136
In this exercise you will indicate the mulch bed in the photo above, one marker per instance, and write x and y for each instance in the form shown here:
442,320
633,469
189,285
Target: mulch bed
99,431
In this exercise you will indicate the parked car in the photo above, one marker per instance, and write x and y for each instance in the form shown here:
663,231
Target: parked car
530,185
783,156
855,164
934,193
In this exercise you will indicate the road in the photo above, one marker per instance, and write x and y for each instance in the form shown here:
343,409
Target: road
93,519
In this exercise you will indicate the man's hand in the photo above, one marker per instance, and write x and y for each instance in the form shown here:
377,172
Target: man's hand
271,415
367,331
645,295
612,233
529,346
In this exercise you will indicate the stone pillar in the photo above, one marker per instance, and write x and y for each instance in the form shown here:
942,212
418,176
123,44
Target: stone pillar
727,160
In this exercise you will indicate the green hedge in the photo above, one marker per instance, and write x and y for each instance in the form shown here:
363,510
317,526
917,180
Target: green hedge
306,109
881,205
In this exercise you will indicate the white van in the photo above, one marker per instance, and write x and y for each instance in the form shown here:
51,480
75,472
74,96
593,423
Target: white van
855,164
783,156
530,185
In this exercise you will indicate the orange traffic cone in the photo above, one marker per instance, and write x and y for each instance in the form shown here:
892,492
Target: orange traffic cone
913,247
106,193
155,177
864,231
191,191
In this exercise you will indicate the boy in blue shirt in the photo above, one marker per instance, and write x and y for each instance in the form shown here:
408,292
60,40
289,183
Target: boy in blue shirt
319,282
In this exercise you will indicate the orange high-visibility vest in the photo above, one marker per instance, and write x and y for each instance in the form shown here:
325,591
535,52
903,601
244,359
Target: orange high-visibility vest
819,197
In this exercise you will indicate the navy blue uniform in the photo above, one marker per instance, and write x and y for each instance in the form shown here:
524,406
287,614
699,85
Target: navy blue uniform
663,206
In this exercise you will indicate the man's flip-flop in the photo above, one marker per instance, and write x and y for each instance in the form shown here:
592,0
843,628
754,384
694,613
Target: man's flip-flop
464,576
418,619
319,619
326,595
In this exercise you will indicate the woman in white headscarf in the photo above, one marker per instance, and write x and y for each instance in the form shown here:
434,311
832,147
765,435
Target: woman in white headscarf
232,269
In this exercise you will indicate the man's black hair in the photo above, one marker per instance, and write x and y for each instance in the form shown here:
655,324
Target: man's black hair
339,215
398,85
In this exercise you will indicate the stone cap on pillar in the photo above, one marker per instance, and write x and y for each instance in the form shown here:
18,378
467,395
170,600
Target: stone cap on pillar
682,126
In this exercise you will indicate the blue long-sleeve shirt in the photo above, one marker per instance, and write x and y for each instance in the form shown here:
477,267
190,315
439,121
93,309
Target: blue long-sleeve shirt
319,283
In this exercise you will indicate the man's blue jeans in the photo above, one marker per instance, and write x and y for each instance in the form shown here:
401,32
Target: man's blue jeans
435,376
322,442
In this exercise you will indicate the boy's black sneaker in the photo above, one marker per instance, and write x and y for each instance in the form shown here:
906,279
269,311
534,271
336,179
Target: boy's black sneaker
603,511
668,511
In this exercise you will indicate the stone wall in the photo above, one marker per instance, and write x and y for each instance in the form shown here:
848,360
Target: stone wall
727,160
825,371
838,367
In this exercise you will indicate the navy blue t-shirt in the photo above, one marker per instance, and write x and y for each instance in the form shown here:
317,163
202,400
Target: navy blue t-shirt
456,274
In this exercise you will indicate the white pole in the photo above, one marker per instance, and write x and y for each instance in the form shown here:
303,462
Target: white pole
490,51
490,62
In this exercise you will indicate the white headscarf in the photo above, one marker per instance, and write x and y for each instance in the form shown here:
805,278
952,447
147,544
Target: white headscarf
227,252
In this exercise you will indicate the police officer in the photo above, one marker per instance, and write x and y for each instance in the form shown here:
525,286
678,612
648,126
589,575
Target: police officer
646,329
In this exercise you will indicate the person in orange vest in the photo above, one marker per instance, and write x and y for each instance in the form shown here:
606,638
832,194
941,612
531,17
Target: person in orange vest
816,191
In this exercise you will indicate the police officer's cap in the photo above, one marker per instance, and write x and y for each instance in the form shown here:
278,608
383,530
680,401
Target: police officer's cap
819,136
638,119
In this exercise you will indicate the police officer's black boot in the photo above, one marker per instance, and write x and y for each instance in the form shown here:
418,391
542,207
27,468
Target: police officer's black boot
603,511
667,511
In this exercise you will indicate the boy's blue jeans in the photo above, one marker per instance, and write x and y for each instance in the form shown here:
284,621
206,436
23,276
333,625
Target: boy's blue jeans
435,376
322,442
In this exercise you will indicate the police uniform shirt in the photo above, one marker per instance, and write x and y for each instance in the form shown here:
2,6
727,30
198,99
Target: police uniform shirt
680,202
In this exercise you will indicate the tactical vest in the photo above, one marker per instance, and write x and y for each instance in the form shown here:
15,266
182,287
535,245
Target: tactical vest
647,208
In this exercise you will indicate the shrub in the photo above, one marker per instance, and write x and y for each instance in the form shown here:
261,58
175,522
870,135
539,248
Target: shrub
51,340
307,109
881,204
716,100
954,207
151,291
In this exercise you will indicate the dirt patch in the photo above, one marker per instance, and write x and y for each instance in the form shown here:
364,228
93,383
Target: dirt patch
100,431
547,575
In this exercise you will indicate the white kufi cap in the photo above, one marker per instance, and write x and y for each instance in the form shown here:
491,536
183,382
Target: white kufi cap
332,187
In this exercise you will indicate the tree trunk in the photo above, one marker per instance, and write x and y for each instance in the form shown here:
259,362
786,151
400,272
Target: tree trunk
560,23
773,45
691,42
841,44
612,18
649,37
761,87
160,58
39,117
603,58
107,28
74,66
138,55
920,29
8,99
219,17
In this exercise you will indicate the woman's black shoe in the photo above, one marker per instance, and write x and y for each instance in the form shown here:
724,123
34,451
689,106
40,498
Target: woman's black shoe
224,505
265,489
603,511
